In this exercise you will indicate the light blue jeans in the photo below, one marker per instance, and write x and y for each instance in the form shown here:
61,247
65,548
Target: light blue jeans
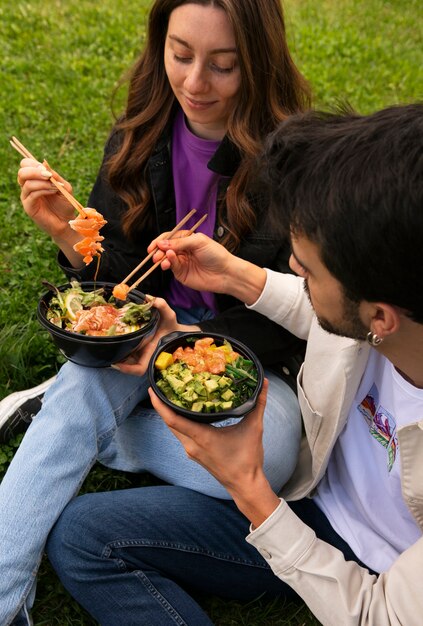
94,414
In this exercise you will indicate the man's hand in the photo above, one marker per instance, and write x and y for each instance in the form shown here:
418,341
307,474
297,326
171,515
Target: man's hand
203,264
232,454
196,261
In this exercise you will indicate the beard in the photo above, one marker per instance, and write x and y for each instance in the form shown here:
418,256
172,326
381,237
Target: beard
351,326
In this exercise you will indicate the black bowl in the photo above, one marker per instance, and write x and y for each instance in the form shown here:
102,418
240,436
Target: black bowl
96,351
169,343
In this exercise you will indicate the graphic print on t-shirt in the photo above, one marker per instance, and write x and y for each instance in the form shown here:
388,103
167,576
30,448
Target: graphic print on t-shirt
382,425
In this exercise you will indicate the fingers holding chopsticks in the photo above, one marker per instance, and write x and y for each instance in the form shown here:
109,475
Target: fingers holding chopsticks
33,169
46,172
171,235
121,290
41,199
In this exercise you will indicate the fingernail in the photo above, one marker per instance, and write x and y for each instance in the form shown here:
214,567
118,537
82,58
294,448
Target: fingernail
115,367
45,172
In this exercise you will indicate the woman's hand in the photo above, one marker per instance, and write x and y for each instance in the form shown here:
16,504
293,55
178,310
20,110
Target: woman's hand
138,361
43,203
232,454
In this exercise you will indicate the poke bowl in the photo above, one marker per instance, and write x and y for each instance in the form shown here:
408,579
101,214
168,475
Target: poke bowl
77,315
206,377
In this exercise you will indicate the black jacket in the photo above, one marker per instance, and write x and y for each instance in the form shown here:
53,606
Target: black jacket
273,344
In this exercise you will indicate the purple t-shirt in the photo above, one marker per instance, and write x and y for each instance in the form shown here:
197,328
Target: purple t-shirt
195,188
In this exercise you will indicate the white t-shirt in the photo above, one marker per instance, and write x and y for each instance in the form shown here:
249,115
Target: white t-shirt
360,493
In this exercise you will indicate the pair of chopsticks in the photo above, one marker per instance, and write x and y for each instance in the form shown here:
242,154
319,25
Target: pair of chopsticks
153,252
15,143
19,147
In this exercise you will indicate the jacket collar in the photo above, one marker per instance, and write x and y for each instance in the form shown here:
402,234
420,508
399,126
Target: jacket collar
225,160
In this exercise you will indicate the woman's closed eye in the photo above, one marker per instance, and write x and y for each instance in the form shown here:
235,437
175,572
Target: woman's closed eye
222,70
181,59
213,66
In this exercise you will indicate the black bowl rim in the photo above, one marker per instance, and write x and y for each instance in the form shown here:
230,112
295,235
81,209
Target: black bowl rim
89,339
238,346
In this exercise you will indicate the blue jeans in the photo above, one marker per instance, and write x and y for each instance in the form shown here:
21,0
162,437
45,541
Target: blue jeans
136,556
94,414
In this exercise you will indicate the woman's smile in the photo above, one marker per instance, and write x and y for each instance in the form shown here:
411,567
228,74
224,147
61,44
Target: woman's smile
202,67
199,104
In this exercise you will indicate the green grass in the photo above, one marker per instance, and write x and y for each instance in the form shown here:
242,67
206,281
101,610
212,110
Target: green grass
60,62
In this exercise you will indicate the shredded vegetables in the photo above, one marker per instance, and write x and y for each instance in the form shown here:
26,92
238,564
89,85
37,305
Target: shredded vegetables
90,313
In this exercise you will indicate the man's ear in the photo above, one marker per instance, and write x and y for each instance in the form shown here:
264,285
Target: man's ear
384,319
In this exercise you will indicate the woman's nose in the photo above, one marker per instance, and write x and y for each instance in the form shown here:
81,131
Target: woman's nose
196,80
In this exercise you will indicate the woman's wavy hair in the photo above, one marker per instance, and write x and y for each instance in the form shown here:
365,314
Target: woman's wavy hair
271,89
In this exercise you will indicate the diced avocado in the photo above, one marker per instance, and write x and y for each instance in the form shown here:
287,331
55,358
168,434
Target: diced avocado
189,396
186,375
167,390
224,381
177,385
163,385
197,407
224,406
227,394
211,385
175,368
164,360
199,388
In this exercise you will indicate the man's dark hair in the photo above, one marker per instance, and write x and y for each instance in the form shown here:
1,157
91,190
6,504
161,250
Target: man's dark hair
354,185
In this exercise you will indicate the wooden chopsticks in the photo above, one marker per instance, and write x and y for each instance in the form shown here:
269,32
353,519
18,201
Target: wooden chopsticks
153,252
19,147
168,236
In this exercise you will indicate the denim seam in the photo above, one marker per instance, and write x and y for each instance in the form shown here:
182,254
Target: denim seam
119,415
27,589
108,434
153,591
180,547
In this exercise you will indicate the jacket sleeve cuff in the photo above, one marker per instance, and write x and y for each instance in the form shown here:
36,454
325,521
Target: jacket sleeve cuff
80,274
282,539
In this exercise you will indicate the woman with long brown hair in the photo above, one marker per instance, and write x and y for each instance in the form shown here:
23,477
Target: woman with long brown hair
214,78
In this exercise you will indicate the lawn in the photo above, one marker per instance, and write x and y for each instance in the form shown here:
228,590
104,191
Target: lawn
60,63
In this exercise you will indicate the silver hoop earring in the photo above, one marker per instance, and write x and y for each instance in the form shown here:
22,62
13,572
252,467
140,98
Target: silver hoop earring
373,339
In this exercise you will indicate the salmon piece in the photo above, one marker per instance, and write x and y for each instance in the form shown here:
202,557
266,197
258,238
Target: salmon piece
206,342
88,225
97,320
204,357
120,291
89,248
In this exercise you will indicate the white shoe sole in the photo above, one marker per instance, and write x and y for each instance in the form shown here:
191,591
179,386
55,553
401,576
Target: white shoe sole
13,401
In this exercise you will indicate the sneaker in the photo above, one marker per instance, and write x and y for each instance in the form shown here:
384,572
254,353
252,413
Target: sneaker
18,409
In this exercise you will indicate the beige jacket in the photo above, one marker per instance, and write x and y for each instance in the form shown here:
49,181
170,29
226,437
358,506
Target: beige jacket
339,593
